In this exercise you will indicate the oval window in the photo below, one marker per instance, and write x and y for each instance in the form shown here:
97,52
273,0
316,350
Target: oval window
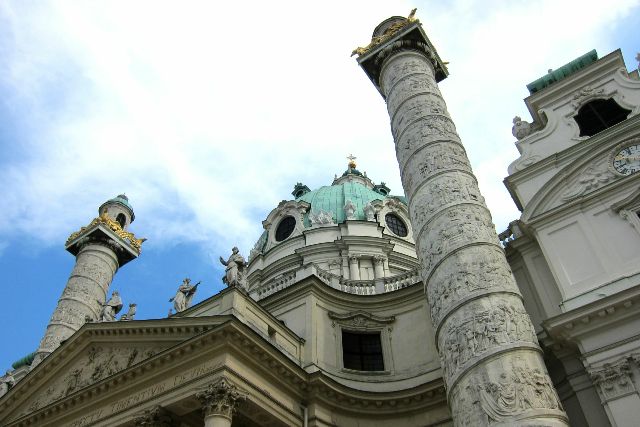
396,225
285,228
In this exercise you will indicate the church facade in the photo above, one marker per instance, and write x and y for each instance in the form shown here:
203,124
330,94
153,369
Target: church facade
360,307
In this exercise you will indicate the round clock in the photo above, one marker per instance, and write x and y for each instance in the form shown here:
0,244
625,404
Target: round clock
626,160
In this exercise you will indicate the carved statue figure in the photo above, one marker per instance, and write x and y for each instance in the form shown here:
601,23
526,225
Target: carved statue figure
111,308
369,212
130,313
349,209
184,295
520,129
235,269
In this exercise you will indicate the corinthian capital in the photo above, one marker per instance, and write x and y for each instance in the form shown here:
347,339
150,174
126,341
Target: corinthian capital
220,398
154,417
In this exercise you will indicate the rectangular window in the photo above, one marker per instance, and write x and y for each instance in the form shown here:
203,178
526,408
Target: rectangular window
362,351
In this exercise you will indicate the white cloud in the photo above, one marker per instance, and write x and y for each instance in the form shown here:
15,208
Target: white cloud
206,115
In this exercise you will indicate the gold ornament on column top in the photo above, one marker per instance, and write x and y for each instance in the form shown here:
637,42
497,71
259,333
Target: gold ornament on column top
105,219
389,32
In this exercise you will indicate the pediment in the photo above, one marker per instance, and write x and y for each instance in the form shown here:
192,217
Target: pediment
94,353
575,182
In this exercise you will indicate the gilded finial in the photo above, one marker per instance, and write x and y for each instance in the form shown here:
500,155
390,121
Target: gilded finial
352,163
412,15
389,32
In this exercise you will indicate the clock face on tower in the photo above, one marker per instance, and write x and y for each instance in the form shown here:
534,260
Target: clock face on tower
626,160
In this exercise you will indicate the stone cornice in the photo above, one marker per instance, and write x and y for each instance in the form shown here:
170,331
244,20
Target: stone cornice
331,392
232,334
131,331
606,65
597,315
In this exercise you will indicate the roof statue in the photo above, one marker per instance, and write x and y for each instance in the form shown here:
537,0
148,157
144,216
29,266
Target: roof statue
235,269
111,308
184,295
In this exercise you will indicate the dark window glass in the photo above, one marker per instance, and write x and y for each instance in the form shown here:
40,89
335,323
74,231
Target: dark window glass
599,115
362,351
121,219
285,228
396,225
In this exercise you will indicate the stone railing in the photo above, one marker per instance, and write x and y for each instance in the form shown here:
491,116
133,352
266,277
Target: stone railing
357,287
402,280
278,283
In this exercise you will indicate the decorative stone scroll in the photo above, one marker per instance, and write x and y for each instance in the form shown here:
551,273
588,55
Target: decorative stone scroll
593,177
220,398
613,380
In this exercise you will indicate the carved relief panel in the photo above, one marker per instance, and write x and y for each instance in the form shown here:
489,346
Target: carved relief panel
505,394
466,274
98,363
480,328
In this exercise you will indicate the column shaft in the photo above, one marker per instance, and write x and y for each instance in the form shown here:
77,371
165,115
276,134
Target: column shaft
490,357
82,297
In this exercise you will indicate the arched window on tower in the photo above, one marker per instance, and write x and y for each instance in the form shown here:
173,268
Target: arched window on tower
599,115
121,219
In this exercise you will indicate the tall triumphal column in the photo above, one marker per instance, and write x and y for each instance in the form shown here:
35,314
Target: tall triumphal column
100,249
491,361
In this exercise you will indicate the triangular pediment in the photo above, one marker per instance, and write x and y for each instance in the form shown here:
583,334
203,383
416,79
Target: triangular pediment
94,353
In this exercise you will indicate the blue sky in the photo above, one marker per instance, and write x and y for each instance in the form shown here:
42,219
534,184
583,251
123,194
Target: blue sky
207,115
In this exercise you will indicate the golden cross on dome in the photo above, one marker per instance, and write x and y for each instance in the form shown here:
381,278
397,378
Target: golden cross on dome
352,163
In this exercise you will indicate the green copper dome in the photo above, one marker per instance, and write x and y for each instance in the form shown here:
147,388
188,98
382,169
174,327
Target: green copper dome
123,200
332,199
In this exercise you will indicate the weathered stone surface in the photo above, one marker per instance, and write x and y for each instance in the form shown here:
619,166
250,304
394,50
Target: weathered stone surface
490,356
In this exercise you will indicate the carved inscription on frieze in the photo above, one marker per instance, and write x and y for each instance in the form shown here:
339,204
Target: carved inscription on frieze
504,394
479,329
149,392
467,273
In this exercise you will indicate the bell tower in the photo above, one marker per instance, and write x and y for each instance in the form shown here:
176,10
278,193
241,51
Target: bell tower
100,249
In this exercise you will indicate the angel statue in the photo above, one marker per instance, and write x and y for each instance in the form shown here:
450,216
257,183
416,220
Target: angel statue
111,308
235,269
184,295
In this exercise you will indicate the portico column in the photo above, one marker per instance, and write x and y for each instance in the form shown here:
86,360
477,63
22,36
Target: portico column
492,364
219,401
